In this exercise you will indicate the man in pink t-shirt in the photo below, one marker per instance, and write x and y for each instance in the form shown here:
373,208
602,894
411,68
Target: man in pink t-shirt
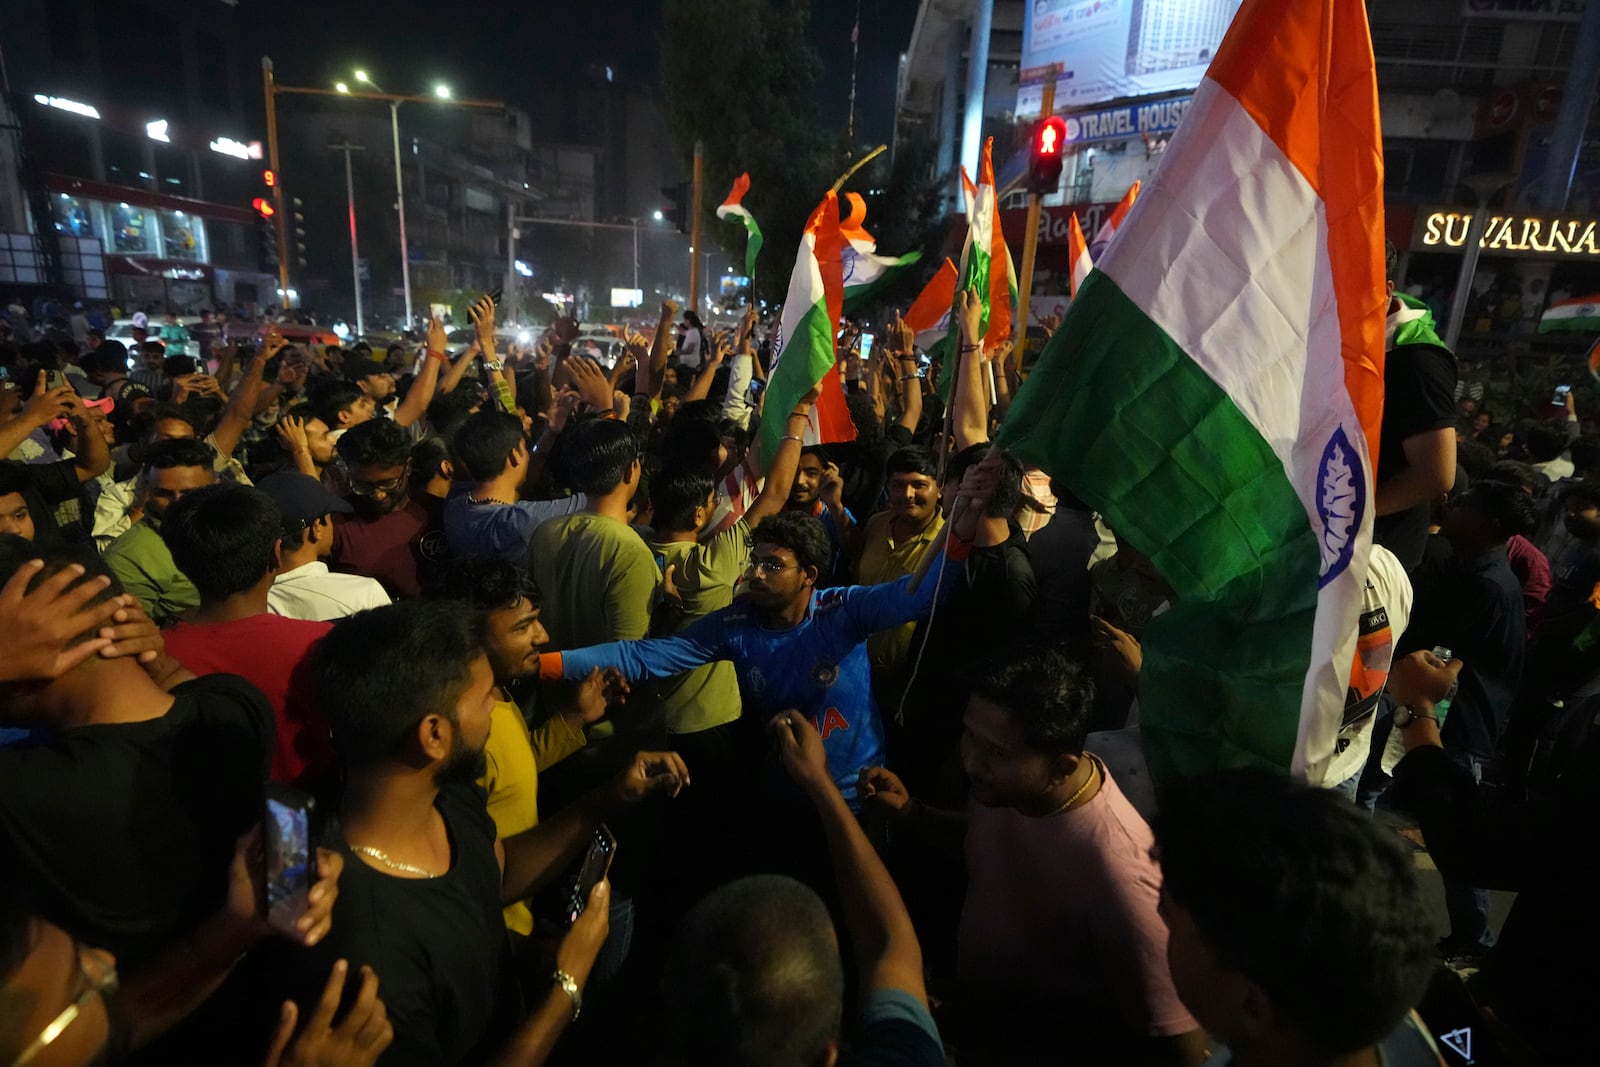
226,538
1060,943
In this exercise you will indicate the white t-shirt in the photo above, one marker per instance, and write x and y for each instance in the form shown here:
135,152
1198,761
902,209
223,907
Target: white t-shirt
1385,613
316,594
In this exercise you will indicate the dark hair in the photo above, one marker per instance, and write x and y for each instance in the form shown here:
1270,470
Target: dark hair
1545,441
1277,873
912,459
485,442
1585,453
380,672
597,454
690,441
1391,260
166,410
15,478
15,551
1048,695
1585,492
1523,475
331,396
374,443
1475,457
178,452
754,977
864,415
799,533
487,583
448,412
1512,510
1007,494
675,493
428,456
221,537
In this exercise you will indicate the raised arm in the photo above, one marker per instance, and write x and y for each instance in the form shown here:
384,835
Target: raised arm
713,362
655,657
242,403
661,346
92,456
969,408
778,481
415,404
448,380
886,949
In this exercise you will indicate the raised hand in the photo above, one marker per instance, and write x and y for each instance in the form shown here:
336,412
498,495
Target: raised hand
437,339
358,1040
40,623
648,774
594,388
46,405
800,749
482,315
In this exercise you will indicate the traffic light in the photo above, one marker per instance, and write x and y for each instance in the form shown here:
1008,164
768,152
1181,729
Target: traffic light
299,218
1045,156
677,209
267,235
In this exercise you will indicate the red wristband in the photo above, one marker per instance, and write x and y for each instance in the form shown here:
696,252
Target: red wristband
440,356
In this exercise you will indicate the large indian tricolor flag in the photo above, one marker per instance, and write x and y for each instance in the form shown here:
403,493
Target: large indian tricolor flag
1578,315
806,331
1216,388
865,272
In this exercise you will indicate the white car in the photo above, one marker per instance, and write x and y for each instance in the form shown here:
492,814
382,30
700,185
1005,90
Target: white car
122,330
605,348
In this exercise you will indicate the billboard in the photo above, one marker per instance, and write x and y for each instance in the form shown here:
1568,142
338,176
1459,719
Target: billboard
1108,49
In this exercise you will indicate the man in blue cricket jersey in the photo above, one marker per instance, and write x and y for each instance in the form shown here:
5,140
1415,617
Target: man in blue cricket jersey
797,647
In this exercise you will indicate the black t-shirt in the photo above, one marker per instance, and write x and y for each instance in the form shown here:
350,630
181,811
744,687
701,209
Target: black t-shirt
48,484
439,945
122,833
1419,384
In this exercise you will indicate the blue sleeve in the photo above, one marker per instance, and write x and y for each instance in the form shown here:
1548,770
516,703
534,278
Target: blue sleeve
896,1028
879,607
655,657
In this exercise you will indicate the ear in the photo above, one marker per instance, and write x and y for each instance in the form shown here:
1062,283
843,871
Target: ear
1063,767
435,734
447,469
275,561
811,575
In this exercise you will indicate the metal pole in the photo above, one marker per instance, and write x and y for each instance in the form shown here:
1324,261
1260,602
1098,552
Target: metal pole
277,181
694,230
1577,96
510,287
1469,268
636,253
400,207
1030,239
355,255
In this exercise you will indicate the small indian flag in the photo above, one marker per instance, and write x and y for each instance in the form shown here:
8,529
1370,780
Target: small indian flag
1579,315
929,314
865,272
1216,387
985,260
1078,253
807,328
1108,229
733,208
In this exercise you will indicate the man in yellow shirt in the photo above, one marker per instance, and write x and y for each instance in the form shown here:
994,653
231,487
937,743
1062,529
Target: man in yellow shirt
892,544
514,755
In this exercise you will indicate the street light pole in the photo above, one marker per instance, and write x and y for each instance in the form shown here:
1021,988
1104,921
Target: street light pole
355,256
400,207
270,85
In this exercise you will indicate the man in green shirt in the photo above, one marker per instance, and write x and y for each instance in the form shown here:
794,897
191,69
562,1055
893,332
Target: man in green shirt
139,557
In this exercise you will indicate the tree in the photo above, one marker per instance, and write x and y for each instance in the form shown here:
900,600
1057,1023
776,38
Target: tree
738,76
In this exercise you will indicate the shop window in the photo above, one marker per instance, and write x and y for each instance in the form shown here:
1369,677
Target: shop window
73,217
183,236
132,230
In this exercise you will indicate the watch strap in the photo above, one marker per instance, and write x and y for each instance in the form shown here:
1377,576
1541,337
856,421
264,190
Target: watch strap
569,986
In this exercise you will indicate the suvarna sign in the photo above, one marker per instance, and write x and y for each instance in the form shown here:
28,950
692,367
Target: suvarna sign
1512,235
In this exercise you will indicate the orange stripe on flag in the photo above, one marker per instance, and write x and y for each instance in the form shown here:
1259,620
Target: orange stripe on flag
933,303
741,185
833,415
1303,69
999,328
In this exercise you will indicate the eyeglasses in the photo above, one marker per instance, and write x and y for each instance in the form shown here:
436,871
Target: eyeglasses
388,488
766,565
99,976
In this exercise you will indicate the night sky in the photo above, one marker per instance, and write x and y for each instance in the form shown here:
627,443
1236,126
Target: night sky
505,50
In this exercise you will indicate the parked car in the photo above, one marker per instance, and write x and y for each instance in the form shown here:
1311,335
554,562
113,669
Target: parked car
122,331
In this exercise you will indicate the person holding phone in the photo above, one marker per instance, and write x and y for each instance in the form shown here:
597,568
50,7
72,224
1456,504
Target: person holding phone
409,693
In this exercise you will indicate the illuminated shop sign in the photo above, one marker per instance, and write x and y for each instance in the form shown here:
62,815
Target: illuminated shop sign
1517,235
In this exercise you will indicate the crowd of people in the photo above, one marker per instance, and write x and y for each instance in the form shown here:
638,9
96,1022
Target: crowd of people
853,726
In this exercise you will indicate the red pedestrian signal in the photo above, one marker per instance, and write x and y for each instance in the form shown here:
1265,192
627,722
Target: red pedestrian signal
263,207
1045,159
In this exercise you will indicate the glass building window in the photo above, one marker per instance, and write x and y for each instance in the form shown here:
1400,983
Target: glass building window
73,217
183,236
132,230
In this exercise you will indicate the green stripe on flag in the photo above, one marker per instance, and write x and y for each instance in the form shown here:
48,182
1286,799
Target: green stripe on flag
806,356
1137,430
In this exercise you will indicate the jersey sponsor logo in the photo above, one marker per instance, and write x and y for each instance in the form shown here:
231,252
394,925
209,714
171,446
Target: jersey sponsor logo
824,674
829,600
758,681
831,720
433,546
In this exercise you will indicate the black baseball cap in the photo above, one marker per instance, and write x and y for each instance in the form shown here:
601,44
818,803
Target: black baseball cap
301,497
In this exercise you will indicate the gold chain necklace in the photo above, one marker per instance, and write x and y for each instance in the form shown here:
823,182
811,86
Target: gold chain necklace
394,865
1094,771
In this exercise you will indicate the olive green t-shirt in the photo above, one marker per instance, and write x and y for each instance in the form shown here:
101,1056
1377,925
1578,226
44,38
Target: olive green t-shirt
704,574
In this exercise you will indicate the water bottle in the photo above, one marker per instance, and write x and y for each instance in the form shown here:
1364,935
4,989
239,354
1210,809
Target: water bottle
1395,748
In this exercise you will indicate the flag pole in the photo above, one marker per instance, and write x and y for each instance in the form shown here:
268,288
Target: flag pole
863,161
694,231
1030,239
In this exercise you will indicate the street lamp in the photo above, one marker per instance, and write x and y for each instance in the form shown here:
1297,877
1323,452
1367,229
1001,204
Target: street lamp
657,215
442,92
361,76
341,87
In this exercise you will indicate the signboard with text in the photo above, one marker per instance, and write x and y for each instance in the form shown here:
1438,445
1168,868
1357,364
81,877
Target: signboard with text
1542,10
1546,236
1108,49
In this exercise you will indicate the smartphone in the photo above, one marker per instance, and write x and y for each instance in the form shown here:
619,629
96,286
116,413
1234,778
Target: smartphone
596,865
923,363
54,379
178,366
494,295
756,385
291,858
1560,399
867,340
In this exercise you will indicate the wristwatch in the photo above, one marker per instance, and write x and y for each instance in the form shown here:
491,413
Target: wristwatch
1406,714
569,986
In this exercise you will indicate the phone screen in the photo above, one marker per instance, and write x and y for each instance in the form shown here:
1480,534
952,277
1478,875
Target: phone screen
596,865
287,833
867,340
